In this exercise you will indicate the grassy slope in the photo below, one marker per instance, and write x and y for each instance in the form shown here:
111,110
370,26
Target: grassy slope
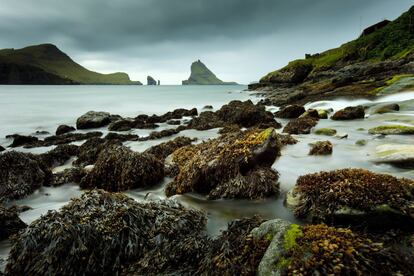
201,75
394,41
49,58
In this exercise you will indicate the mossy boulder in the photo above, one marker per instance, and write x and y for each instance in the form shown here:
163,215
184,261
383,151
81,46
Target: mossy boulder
312,113
10,223
21,174
361,142
392,130
349,113
302,125
118,169
101,233
355,196
323,113
235,165
290,112
325,131
321,148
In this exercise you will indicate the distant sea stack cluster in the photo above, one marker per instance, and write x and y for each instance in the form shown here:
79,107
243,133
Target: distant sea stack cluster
152,81
201,75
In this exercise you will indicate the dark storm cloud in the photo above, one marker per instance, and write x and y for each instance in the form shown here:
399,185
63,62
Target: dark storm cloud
166,31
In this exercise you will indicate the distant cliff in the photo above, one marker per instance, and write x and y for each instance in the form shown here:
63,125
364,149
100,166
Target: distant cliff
201,75
46,64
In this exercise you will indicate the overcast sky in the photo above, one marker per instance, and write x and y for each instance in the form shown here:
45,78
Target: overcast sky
239,40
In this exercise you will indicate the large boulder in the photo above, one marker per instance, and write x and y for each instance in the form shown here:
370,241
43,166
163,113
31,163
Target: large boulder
235,165
395,154
10,223
354,196
349,113
101,233
118,169
95,119
290,111
21,174
63,129
302,125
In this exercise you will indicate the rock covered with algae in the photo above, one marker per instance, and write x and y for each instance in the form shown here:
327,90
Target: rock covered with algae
235,165
358,194
118,169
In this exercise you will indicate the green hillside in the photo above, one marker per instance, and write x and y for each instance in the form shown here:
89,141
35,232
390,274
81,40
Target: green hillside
201,75
53,61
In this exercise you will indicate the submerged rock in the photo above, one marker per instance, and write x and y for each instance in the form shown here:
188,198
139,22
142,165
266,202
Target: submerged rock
349,113
162,150
387,108
10,223
325,131
300,125
235,165
21,174
21,140
63,129
71,175
101,233
354,195
290,112
321,148
118,169
392,129
399,155
95,119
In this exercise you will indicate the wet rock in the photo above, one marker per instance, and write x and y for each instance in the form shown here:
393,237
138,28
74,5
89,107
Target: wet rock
63,129
118,169
10,223
290,112
229,129
121,125
64,139
206,120
162,150
392,130
398,155
21,174
2,149
178,114
160,134
95,119
321,148
231,166
323,250
71,175
121,137
387,108
287,139
325,131
323,114
349,113
174,122
89,151
42,132
300,125
312,113
208,107
101,233
354,196
361,142
21,140
59,155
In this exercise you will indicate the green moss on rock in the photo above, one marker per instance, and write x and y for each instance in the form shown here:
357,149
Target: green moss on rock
392,129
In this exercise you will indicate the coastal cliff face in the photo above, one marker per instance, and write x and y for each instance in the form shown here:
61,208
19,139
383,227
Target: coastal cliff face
379,62
46,64
201,75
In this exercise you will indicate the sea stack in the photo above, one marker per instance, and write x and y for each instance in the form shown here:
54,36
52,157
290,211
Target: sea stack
201,75
151,81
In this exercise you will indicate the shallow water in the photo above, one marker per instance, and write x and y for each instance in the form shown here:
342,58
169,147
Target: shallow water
56,105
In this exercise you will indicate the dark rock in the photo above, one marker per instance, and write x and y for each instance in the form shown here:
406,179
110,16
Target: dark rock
121,137
290,112
59,155
102,233
206,120
349,113
160,134
42,132
94,119
300,125
121,125
2,149
294,74
229,129
10,223
235,165
313,113
21,140
179,113
63,129
287,139
387,108
118,169
71,175
151,81
174,122
208,107
89,151
21,174
70,137
321,148
162,150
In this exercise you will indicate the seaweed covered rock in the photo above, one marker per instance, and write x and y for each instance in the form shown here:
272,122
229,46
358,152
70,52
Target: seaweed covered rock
322,250
70,175
392,130
349,113
355,196
325,131
95,119
121,137
59,155
100,233
21,174
235,165
300,125
118,169
89,151
290,112
321,148
206,120
10,223
162,150
63,129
